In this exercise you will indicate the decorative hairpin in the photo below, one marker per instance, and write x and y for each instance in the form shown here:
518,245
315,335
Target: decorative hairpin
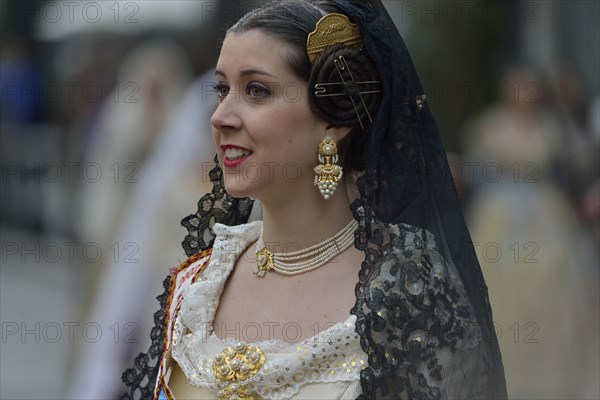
347,87
420,100
332,29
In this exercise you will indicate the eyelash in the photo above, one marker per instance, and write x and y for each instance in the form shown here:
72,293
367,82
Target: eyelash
222,89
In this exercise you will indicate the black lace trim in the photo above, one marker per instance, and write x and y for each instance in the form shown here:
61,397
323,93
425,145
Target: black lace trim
141,378
217,206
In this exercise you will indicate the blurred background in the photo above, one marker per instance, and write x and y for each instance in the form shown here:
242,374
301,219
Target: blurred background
106,146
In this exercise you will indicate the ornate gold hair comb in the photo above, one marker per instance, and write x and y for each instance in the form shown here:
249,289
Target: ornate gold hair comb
332,29
337,29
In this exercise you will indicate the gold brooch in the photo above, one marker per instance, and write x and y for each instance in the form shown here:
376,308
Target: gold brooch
332,29
264,261
234,366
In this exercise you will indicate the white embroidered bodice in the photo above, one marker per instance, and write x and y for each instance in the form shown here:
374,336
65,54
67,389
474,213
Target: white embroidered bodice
326,365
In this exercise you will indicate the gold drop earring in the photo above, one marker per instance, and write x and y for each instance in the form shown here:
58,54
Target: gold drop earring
327,173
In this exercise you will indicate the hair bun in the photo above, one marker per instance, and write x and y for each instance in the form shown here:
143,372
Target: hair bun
339,110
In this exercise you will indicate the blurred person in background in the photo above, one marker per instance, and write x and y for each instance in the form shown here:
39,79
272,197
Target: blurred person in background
539,265
20,69
127,133
580,144
151,81
85,67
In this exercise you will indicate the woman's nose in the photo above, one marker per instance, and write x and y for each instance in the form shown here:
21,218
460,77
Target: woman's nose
227,116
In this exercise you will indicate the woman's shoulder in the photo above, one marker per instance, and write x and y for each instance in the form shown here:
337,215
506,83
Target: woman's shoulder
226,237
244,232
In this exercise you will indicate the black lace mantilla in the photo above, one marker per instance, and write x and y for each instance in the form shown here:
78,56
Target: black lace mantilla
414,318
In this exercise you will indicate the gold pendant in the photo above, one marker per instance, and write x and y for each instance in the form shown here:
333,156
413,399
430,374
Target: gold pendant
264,262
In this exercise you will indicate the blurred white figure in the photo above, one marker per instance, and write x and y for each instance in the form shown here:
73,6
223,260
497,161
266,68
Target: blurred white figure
149,240
538,265
150,83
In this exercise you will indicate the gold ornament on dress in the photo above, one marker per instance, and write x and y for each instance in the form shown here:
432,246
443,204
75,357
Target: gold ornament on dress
327,173
332,29
234,367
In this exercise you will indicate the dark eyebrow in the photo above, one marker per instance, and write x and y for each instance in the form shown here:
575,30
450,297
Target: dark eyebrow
247,72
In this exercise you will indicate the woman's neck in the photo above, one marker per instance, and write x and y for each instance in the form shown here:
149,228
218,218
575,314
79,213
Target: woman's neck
301,221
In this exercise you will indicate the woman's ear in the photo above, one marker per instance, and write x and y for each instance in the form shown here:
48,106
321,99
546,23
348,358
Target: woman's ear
338,132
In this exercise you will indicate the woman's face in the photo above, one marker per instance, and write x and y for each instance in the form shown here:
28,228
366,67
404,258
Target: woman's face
265,133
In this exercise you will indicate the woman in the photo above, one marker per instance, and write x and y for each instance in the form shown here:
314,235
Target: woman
363,286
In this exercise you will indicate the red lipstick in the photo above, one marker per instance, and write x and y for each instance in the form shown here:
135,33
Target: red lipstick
231,163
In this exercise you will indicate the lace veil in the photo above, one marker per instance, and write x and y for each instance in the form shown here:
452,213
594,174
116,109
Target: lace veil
422,307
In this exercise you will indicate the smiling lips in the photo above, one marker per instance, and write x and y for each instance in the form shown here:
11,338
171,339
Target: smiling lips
234,155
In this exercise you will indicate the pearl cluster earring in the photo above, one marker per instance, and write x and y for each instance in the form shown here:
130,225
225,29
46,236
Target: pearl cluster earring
327,173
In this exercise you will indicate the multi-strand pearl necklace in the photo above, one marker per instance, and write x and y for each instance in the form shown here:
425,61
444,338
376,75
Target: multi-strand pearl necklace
304,260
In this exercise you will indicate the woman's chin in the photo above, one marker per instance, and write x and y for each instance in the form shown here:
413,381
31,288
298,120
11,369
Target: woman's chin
237,189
